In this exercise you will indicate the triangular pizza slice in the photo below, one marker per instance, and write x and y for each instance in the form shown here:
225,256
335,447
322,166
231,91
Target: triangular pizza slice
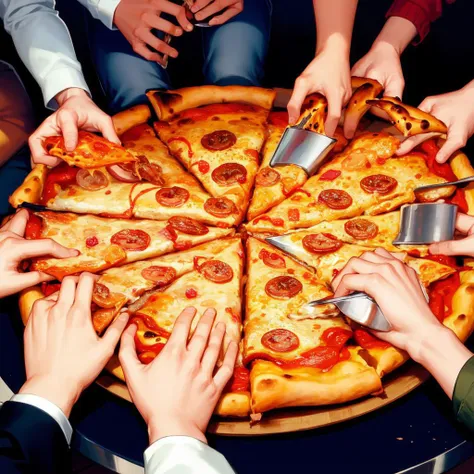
372,187
154,186
220,144
104,243
213,283
298,357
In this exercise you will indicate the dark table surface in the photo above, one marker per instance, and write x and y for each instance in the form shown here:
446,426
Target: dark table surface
401,436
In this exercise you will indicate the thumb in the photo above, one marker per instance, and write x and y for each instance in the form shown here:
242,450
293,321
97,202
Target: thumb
453,247
454,142
394,87
106,127
112,336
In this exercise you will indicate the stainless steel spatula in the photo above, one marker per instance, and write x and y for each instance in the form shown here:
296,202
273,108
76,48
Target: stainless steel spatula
304,144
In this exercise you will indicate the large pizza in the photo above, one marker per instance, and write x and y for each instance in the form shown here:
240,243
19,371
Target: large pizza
178,216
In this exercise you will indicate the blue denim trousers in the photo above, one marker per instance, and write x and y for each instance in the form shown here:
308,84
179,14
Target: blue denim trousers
234,54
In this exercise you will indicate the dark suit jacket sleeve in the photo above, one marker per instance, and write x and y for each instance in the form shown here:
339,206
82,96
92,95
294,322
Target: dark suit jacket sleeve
31,441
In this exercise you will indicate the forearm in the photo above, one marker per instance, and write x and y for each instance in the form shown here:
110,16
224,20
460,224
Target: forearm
44,45
442,354
334,23
397,33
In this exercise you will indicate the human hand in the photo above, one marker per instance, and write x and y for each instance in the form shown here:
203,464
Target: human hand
329,74
63,354
203,9
465,246
136,20
456,110
76,111
14,249
396,289
176,393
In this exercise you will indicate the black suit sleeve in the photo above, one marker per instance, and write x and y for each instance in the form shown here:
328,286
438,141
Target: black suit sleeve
31,441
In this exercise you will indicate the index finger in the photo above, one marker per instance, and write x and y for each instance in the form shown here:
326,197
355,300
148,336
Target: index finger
84,291
38,248
296,101
182,327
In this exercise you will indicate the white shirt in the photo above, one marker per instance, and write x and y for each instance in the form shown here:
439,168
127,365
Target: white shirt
170,455
44,44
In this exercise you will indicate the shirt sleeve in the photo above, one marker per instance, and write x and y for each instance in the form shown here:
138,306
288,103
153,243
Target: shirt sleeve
178,454
44,45
103,10
48,407
463,397
420,12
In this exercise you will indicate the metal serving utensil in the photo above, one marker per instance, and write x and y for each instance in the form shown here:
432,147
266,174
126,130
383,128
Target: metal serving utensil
304,148
426,223
360,308
460,183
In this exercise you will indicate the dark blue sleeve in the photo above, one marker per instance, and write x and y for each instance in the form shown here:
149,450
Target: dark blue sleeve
31,441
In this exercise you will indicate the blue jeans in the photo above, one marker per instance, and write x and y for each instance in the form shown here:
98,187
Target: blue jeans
234,54
12,174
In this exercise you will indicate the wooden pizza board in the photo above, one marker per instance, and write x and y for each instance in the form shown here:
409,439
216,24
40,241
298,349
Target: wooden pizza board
396,385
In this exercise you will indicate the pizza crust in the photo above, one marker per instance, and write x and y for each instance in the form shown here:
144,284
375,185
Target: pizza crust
129,118
275,387
169,103
462,168
31,188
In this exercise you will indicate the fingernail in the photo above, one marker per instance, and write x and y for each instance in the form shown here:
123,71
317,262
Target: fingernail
189,27
178,32
194,8
220,325
123,317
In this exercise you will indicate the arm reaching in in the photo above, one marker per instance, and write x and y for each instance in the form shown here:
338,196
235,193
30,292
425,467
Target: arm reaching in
396,289
329,72
456,110
176,393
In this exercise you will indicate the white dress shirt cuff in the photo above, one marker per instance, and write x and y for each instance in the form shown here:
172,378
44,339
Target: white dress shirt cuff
106,11
48,407
58,80
177,454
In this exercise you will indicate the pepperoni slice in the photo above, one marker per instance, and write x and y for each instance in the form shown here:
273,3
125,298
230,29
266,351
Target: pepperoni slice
203,166
272,259
267,177
229,173
218,140
283,287
102,296
321,243
335,198
216,271
131,239
162,276
189,226
92,241
150,172
280,340
172,197
220,207
92,181
361,229
378,183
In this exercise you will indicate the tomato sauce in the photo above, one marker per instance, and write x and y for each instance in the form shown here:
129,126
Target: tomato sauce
441,295
62,175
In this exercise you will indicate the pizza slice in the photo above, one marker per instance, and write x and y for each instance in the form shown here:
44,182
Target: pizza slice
274,185
369,231
154,186
328,255
213,283
220,144
91,151
104,243
130,284
339,194
298,357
